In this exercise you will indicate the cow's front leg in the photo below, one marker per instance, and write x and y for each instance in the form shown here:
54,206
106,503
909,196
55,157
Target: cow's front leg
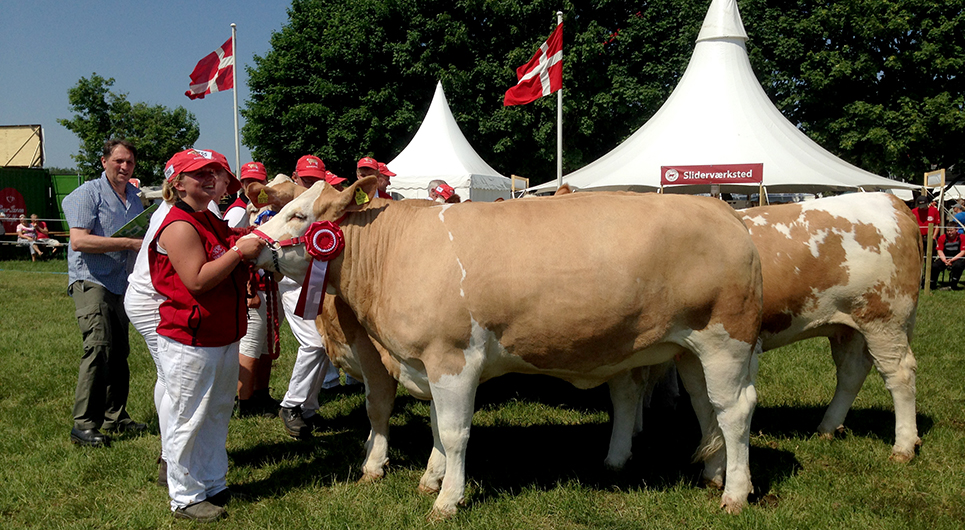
626,389
431,480
380,388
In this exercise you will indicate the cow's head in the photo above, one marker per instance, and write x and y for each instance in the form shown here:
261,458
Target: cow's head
276,194
321,202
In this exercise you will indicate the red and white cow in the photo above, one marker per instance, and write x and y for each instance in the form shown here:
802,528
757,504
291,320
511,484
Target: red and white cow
588,296
846,268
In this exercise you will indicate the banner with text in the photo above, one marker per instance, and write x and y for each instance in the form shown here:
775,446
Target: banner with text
712,174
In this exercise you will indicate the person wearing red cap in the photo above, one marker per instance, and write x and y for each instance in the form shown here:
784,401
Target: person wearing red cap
442,193
312,370
194,260
142,303
335,181
237,213
254,365
370,167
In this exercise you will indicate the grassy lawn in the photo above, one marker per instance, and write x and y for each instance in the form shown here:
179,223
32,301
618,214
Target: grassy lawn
535,456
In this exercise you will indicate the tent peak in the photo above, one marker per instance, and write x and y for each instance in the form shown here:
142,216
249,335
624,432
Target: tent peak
723,21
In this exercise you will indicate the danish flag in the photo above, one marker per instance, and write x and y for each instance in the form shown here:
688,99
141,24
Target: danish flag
214,73
542,75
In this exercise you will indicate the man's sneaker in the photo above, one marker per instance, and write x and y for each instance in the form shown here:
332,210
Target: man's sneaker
203,512
221,498
294,424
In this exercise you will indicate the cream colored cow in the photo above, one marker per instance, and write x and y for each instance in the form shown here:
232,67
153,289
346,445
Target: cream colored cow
846,268
603,284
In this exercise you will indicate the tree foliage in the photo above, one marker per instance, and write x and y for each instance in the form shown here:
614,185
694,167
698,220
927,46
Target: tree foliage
871,80
102,114
877,82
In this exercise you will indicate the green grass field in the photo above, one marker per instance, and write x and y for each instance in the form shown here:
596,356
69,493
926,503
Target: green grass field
535,456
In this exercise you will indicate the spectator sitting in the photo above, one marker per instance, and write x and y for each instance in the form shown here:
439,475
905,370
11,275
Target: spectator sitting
43,234
27,235
951,256
958,216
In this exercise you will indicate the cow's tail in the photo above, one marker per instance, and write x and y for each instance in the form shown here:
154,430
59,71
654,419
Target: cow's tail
709,445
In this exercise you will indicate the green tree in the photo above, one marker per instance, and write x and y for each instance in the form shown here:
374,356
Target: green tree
347,79
877,82
873,81
101,114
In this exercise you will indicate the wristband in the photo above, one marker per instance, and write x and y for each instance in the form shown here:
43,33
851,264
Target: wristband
240,255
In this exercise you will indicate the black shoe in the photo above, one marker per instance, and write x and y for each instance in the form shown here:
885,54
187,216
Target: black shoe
258,405
203,512
315,423
89,438
221,498
294,424
126,425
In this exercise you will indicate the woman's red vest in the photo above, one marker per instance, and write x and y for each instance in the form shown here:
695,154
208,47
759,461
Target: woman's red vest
217,317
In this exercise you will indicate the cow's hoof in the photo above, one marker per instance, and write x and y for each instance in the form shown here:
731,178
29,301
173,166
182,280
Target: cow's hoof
615,464
732,506
428,490
712,483
370,478
902,457
441,514
826,436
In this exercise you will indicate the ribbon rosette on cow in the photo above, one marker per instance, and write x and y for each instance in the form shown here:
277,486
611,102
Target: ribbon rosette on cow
323,241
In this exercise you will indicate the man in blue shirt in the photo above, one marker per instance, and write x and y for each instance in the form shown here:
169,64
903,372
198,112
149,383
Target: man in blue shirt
98,266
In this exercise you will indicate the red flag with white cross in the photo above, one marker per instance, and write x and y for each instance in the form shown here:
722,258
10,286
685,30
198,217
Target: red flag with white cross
542,75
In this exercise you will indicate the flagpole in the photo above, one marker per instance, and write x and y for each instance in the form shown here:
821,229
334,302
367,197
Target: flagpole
234,79
559,124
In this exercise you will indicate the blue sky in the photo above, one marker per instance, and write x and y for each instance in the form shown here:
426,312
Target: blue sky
149,48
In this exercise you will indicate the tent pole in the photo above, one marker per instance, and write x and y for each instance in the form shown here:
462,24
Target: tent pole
234,90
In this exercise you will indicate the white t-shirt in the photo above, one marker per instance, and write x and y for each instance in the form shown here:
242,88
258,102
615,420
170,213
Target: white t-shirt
140,278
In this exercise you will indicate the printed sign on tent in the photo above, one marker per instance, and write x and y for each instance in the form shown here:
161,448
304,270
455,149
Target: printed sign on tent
712,174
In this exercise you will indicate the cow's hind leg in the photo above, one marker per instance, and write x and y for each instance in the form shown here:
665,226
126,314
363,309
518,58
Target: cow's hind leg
896,363
852,364
711,448
730,367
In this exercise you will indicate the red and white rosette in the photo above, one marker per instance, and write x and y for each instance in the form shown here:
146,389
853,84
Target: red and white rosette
323,241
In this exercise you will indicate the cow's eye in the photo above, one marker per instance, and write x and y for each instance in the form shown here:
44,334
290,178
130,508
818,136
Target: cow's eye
299,216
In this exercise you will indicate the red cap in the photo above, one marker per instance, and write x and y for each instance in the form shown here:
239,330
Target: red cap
444,190
369,162
384,169
254,170
194,159
333,179
310,166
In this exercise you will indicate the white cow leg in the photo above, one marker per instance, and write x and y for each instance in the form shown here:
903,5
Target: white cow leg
626,390
852,364
711,448
453,397
431,481
729,372
380,388
378,405
897,365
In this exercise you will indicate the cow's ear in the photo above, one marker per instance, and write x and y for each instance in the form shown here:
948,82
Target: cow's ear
257,193
356,196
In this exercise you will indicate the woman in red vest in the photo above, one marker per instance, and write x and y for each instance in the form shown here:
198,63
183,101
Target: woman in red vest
194,260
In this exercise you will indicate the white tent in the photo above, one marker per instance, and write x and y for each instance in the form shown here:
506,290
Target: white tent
719,114
440,151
